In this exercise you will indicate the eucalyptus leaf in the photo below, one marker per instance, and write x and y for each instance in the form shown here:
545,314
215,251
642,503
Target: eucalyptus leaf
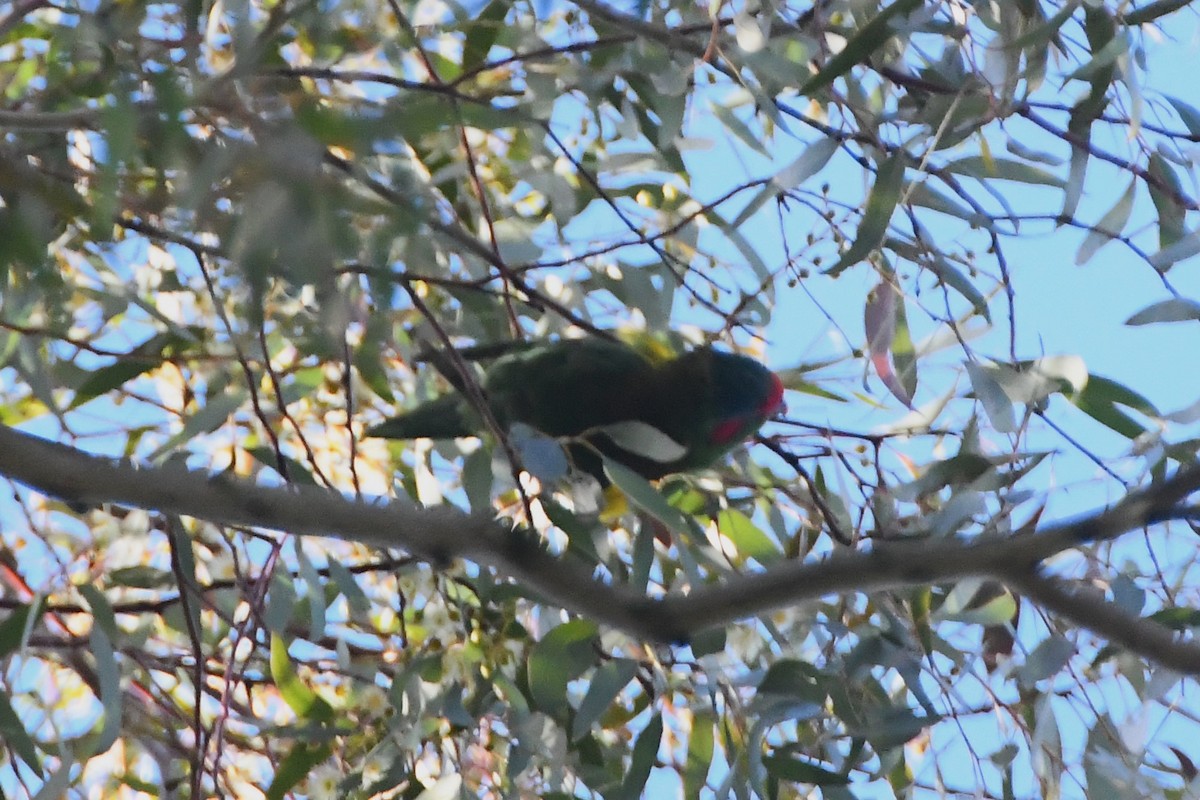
863,44
992,397
1186,246
1109,227
643,439
645,496
541,455
881,203
561,656
1177,309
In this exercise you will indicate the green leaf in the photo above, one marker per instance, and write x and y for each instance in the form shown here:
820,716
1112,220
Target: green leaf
1099,400
183,561
1073,191
643,439
356,598
295,767
579,533
786,768
109,676
477,479
957,470
904,354
17,626
1021,150
745,247
734,125
809,163
645,750
645,496
1177,309
146,357
1170,213
306,703
368,362
1050,656
887,728
297,471
1187,114
607,682
282,603
102,611
1127,595
794,679
1109,227
747,538
1152,11
1186,246
642,559
1096,67
14,735
1044,33
485,28
768,192
213,415
560,657
1003,169
952,276
793,382
921,194
1177,618
105,379
960,605
861,46
699,753
315,590
881,203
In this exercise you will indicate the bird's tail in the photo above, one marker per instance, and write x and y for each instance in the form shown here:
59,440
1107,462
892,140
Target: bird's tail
441,418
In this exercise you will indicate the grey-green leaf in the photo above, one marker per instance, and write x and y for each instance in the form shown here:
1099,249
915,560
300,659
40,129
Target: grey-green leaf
643,439
1109,227
607,682
881,203
1177,309
645,496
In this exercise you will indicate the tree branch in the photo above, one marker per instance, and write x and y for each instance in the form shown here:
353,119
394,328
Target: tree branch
443,533
1137,634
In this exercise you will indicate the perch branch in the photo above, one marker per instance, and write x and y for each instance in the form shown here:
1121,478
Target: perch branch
443,533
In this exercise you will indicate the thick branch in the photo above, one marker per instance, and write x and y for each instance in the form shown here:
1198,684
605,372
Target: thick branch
437,535
1137,634
444,533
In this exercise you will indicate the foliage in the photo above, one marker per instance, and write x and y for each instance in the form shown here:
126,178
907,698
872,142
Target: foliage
229,232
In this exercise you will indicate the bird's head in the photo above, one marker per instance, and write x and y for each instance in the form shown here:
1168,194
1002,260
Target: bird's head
745,395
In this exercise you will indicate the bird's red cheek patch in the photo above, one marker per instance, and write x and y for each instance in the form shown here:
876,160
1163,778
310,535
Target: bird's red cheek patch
774,402
726,431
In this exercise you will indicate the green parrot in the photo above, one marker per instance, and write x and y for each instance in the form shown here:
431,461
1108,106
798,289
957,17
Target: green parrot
655,418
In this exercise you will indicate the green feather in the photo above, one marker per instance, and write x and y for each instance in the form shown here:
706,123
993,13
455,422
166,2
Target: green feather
442,418
575,387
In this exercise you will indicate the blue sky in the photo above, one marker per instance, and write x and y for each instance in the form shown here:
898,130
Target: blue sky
1062,308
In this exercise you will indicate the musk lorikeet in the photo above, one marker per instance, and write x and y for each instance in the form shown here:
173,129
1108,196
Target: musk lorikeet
607,395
